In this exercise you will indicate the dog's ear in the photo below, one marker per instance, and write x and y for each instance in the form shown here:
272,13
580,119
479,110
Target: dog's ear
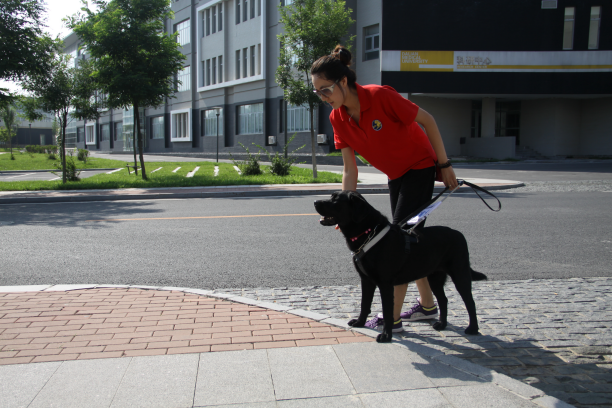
359,206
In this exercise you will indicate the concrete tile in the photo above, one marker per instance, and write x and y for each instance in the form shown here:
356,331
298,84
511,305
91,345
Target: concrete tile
376,367
485,395
233,377
20,383
309,315
423,398
62,288
82,383
27,288
270,404
307,372
345,401
158,381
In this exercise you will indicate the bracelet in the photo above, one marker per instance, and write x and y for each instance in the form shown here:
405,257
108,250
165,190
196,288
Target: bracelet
445,165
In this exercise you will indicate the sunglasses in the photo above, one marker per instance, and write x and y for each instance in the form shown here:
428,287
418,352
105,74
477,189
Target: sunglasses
326,92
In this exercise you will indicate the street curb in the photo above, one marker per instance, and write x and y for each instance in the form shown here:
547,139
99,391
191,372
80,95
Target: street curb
516,387
23,197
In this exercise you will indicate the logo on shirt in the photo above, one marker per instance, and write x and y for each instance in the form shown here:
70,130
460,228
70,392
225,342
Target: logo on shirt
376,124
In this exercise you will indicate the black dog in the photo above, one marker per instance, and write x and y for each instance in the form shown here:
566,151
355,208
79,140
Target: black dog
394,260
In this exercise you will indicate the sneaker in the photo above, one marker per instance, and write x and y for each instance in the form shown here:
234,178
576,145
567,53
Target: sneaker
378,323
418,312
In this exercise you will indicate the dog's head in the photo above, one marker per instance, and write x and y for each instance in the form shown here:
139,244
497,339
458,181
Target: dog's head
344,207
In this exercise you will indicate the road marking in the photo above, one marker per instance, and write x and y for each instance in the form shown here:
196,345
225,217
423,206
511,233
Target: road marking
191,173
112,171
237,169
201,218
175,170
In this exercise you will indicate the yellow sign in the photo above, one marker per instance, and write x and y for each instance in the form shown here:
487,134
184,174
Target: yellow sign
438,61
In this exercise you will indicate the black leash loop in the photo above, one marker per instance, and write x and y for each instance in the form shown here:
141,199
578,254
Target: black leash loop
476,188
461,182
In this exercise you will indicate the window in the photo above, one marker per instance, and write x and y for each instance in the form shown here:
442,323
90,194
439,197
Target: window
79,134
207,72
594,28
118,131
508,119
259,7
252,8
157,127
371,40
568,29
220,16
184,79
245,62
105,132
207,21
298,119
237,11
209,118
288,2
252,60
250,119
180,125
238,64
71,134
214,19
245,10
214,71
220,68
258,59
90,133
183,31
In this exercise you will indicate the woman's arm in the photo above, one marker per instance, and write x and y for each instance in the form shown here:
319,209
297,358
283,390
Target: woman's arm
435,138
350,172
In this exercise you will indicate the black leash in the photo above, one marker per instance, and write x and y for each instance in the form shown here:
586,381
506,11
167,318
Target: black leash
461,182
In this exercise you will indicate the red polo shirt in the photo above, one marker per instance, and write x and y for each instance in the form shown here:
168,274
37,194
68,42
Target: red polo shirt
387,135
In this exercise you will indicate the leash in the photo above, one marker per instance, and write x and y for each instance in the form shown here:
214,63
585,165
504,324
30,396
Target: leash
419,215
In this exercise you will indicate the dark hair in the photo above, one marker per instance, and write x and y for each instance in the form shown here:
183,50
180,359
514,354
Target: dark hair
335,66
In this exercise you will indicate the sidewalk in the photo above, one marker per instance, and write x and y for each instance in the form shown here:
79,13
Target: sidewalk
118,346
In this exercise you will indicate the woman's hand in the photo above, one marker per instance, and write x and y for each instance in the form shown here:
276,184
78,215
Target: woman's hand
448,177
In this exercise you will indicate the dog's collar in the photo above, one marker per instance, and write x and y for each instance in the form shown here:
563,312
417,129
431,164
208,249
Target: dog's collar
373,240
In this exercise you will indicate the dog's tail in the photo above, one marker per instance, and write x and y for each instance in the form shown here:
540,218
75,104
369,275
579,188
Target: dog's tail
477,276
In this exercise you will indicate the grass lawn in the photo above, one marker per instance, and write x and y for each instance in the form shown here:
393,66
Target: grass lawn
40,161
166,177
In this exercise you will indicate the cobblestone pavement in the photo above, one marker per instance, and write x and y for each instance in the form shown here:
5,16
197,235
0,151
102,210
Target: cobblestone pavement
553,334
563,186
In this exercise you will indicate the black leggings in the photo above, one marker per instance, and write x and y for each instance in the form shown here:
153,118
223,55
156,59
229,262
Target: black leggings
411,191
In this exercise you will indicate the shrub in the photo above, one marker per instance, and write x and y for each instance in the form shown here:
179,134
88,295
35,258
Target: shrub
51,156
72,173
250,166
83,155
281,165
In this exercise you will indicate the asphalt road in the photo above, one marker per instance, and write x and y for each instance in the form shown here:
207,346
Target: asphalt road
277,241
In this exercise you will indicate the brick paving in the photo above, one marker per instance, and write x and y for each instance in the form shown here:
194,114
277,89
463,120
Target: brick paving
554,334
120,322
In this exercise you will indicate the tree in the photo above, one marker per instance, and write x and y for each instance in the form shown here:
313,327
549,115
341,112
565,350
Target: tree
67,91
135,61
9,117
25,49
312,29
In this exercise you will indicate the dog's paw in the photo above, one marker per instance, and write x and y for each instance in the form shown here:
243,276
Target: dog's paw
356,323
439,326
384,338
471,330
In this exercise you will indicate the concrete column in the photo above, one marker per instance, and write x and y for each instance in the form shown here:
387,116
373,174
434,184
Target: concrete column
488,117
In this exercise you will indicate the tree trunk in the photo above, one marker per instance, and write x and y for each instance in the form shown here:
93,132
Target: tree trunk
140,142
134,139
313,141
64,147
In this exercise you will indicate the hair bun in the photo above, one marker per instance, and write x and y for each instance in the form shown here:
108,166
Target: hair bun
342,54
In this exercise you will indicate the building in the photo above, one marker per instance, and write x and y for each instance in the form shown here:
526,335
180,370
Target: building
500,78
38,132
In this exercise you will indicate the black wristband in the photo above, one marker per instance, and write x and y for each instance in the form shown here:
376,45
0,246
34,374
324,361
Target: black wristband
445,165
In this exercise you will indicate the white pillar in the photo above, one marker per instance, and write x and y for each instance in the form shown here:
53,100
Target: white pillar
488,117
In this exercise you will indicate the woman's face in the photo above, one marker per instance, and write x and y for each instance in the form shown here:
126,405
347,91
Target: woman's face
330,91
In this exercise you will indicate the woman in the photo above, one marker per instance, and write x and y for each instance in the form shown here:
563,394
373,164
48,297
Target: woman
384,128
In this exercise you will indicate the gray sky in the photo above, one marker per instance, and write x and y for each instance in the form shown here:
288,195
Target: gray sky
56,10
